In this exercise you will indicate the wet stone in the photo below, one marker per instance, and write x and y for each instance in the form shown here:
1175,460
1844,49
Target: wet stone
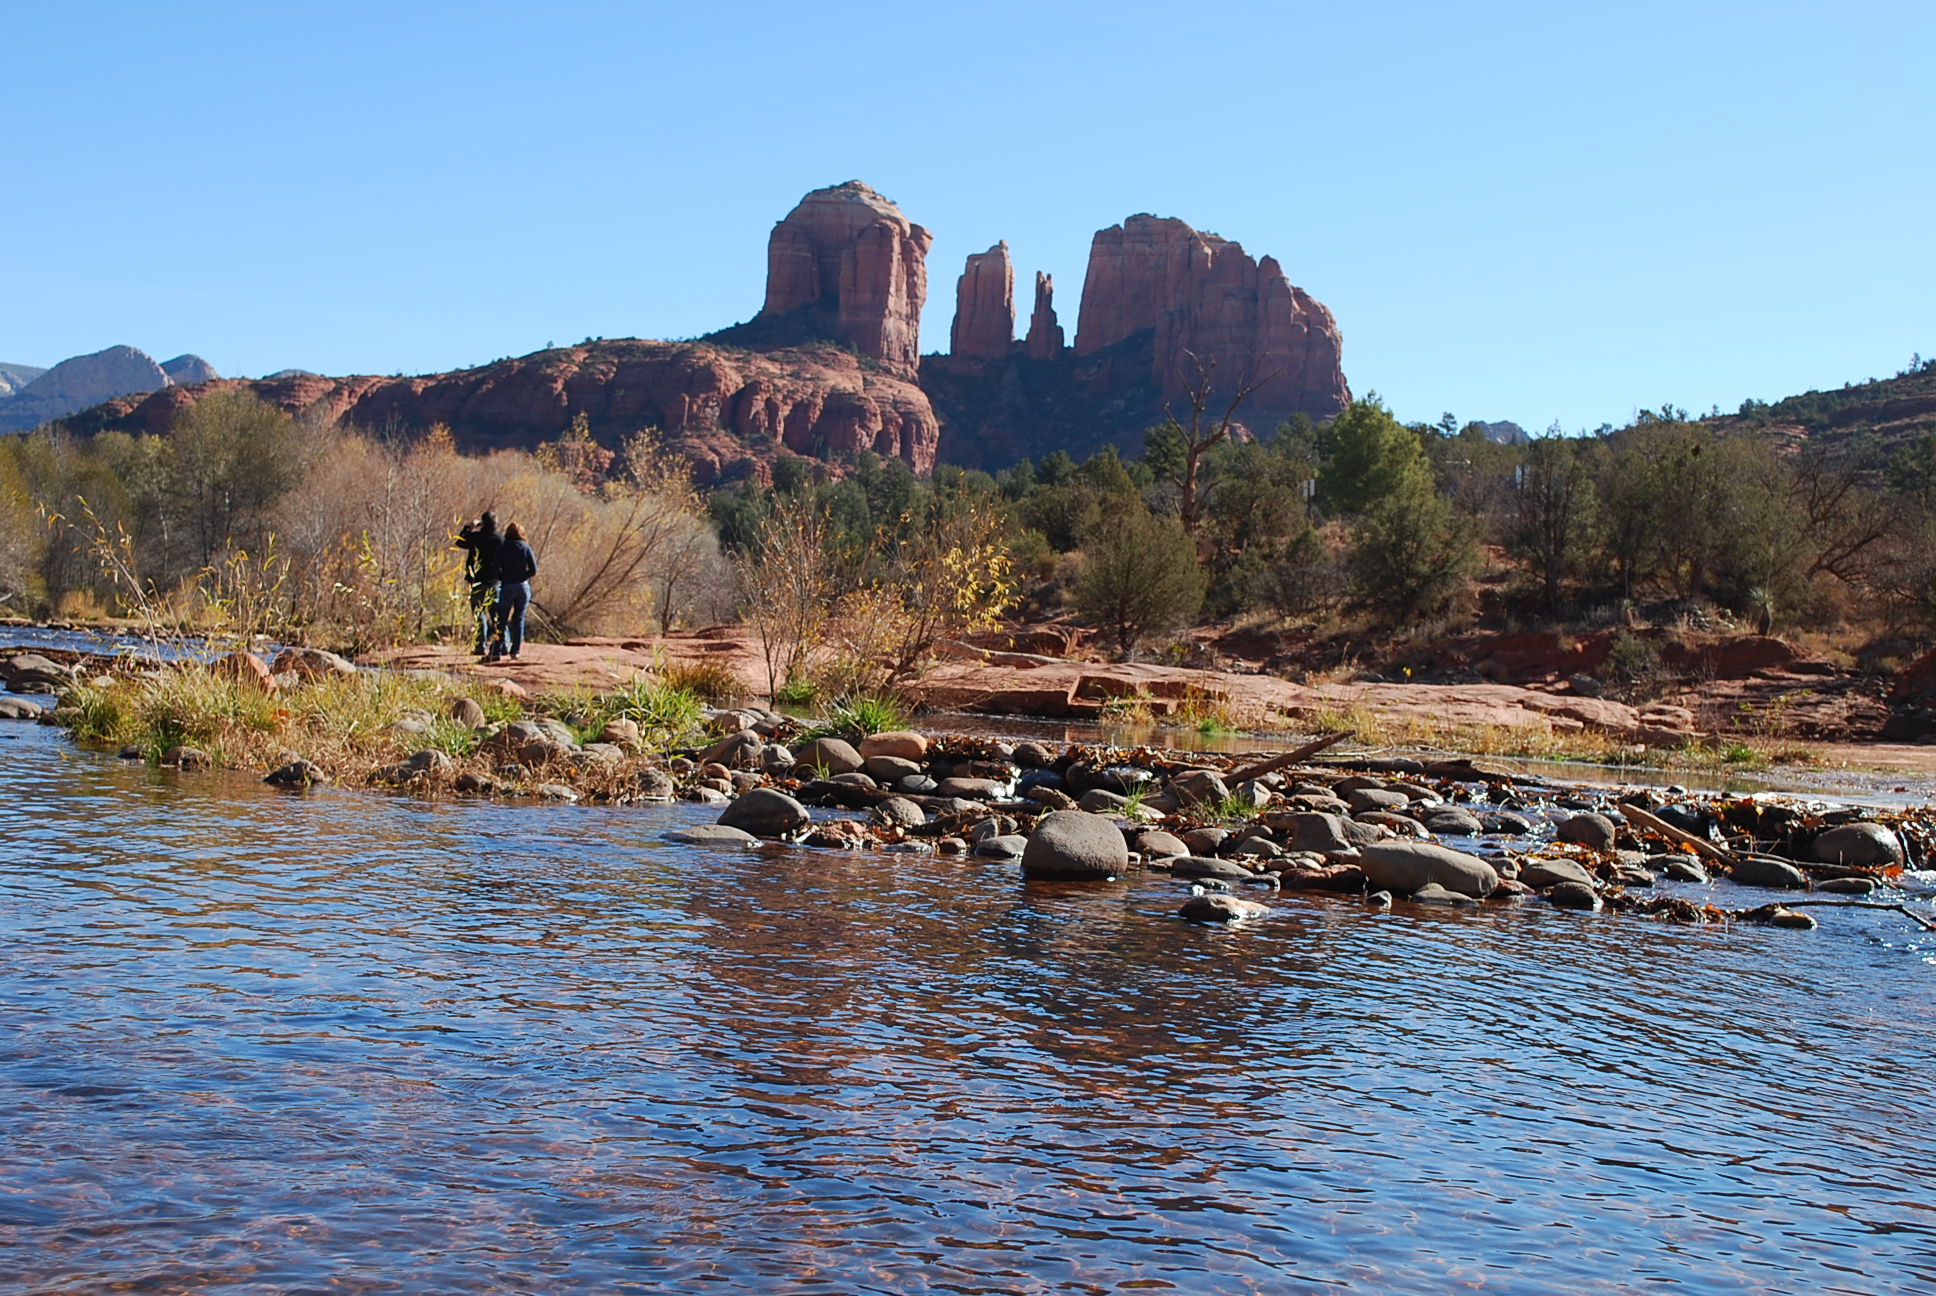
1759,870
712,835
1454,823
1543,873
1208,866
296,774
898,811
1595,830
1678,868
1573,895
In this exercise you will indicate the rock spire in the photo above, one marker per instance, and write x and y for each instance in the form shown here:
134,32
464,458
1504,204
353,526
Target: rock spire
1044,335
984,327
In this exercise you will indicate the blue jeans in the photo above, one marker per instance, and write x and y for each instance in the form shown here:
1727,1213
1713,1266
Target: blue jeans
512,598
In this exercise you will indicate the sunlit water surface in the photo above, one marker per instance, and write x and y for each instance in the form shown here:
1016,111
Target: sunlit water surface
253,1041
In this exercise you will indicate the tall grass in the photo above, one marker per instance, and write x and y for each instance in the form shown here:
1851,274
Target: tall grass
667,716
859,717
342,723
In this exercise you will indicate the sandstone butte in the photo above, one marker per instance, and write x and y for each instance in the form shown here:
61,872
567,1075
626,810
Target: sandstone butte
831,364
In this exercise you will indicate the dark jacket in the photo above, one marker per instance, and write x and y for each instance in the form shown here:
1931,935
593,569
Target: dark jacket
481,567
515,562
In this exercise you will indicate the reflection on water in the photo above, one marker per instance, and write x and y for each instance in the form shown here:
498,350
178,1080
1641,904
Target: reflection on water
256,1042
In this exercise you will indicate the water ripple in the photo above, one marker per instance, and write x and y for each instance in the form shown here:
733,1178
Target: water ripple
253,1042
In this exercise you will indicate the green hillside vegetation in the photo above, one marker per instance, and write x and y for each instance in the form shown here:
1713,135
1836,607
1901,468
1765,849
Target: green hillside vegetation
1863,425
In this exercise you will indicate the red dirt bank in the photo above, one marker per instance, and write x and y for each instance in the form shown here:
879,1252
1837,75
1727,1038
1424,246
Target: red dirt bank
1746,680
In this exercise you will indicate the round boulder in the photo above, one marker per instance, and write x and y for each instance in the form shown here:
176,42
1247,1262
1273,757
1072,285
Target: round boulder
901,744
1542,873
834,755
1679,868
1405,866
1859,845
737,750
1157,844
1573,895
1453,822
1595,830
765,812
1759,870
898,812
1369,799
1310,831
1077,846
1199,786
889,769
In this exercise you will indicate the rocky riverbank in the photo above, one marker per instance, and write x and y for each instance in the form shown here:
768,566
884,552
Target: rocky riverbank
1238,832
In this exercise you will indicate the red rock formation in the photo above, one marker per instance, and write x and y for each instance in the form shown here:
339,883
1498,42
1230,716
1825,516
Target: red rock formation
1205,300
848,254
1044,335
728,411
984,327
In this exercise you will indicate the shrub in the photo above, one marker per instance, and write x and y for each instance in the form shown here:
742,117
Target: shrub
1139,575
666,715
710,681
858,717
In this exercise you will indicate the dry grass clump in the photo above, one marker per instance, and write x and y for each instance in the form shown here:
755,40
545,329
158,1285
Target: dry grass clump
348,725
709,681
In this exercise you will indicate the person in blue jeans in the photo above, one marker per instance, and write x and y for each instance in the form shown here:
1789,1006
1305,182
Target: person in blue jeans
516,565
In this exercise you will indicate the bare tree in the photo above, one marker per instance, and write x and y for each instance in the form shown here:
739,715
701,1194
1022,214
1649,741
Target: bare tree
1212,412
788,588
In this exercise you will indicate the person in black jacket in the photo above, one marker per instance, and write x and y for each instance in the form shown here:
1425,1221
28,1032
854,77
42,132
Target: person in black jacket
516,565
480,573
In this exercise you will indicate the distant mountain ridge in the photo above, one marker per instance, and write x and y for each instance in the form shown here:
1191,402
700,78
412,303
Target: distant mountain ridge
30,396
15,376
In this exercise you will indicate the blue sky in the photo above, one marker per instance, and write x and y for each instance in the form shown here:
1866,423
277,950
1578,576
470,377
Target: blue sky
1536,212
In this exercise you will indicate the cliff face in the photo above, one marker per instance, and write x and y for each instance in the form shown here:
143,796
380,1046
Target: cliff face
729,411
848,257
1207,303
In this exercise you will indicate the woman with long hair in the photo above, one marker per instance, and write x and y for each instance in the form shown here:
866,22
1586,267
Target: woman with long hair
516,565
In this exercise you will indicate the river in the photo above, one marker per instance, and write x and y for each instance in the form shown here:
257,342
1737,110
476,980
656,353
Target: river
260,1042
